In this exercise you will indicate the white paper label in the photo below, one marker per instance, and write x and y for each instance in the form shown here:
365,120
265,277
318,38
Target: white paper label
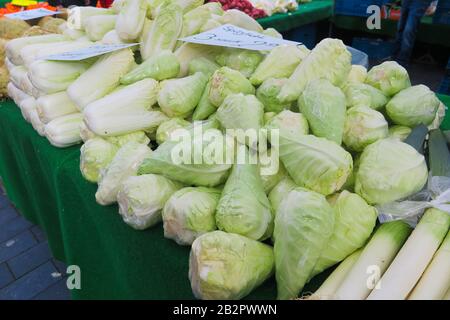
31,14
235,37
89,52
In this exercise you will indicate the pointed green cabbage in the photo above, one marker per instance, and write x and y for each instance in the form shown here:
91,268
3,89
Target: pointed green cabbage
389,77
228,266
270,181
159,67
281,190
130,20
242,60
303,226
358,74
290,124
101,78
354,223
363,126
124,164
189,213
142,198
363,95
194,20
279,63
330,59
187,52
271,32
413,106
202,64
120,140
125,110
268,92
243,207
95,155
390,170
315,163
399,132
324,106
204,108
164,160
166,128
226,81
179,97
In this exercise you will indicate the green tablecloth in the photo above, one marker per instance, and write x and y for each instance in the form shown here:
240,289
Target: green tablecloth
306,13
116,262
428,32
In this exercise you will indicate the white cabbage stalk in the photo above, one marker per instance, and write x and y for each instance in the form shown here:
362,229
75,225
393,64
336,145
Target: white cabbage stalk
124,164
54,105
334,280
189,51
74,34
64,131
19,77
14,46
27,107
240,19
15,93
37,124
164,31
63,27
84,13
436,279
9,65
117,5
412,260
38,51
85,133
375,258
101,78
125,110
145,29
97,26
111,37
130,20
55,76
142,198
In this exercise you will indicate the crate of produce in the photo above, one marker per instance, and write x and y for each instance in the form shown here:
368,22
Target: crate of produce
375,48
356,8
442,14
306,34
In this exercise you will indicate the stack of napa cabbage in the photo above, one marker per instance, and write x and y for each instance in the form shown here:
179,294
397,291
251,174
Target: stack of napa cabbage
242,224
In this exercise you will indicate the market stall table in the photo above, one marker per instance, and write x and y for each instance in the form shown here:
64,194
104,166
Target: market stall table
306,13
429,32
116,261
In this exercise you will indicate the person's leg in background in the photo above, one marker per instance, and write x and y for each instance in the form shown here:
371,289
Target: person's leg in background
416,10
401,26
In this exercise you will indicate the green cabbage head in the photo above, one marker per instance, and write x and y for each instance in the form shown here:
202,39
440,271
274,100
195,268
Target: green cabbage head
354,221
242,60
399,132
358,74
363,95
324,107
303,226
316,163
141,199
389,77
363,126
290,124
268,92
189,213
413,106
390,170
95,155
278,192
227,266
166,128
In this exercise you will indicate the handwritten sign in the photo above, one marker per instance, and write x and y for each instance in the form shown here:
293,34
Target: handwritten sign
88,52
235,37
31,14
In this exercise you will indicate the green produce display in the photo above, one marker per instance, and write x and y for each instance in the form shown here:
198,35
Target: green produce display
221,173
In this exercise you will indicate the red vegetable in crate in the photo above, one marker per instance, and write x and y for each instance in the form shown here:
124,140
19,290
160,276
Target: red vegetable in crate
242,5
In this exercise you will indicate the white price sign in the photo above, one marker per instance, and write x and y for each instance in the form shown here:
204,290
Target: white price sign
31,14
235,37
89,52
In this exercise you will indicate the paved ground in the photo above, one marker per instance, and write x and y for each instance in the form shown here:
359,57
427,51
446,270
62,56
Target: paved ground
27,269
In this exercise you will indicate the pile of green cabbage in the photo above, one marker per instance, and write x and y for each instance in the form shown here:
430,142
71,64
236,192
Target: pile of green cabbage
337,151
